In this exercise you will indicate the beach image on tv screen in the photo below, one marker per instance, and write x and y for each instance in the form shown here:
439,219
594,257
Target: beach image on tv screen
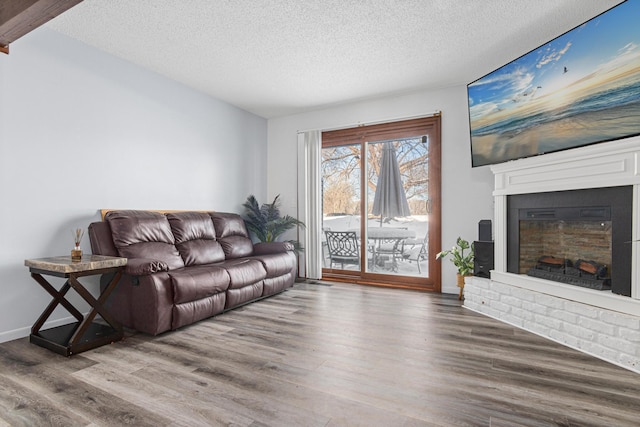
581,88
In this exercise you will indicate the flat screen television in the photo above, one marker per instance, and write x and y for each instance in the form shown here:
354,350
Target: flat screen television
581,88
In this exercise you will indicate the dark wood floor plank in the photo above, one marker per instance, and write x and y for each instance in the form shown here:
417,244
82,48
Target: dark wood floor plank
338,355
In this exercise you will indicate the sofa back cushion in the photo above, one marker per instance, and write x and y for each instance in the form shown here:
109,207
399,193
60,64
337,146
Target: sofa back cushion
144,234
232,235
195,238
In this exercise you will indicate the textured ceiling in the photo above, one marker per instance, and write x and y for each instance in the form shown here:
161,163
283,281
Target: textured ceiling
281,57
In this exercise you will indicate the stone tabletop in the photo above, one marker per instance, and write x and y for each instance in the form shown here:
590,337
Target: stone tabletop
63,264
387,233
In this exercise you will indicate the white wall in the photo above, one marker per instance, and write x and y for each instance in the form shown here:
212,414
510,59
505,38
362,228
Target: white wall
466,191
81,130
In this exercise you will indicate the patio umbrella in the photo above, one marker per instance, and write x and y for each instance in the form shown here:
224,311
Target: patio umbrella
390,199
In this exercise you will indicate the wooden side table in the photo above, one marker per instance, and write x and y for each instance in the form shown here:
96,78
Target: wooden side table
84,334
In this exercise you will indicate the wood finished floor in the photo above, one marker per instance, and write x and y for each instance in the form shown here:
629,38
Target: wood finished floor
319,355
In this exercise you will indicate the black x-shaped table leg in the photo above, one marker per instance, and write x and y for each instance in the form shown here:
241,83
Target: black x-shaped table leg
85,334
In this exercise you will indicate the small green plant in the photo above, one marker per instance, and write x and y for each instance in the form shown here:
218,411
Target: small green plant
464,263
266,222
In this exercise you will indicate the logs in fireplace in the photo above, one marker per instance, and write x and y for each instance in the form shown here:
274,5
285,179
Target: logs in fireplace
588,274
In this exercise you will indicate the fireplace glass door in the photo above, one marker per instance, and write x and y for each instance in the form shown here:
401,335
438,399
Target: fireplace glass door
569,251
577,237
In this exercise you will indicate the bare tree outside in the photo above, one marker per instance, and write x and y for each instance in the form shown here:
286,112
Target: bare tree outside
341,180
340,198
341,175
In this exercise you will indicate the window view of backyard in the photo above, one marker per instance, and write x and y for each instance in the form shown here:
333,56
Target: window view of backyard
396,201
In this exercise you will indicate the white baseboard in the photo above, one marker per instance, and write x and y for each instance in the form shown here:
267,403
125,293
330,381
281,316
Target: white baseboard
26,331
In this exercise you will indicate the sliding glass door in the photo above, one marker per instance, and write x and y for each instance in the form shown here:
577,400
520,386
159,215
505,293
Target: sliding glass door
381,198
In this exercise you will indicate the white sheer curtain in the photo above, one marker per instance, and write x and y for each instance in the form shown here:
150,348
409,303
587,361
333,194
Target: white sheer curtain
310,203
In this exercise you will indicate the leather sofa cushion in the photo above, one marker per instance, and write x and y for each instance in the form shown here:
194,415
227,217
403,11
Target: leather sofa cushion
277,264
195,238
229,224
236,247
273,285
192,311
232,235
244,272
236,297
143,234
195,283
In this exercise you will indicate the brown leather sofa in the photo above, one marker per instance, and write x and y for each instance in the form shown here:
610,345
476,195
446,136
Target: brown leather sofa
186,266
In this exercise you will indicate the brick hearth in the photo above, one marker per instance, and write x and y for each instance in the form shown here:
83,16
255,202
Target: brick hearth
609,335
600,323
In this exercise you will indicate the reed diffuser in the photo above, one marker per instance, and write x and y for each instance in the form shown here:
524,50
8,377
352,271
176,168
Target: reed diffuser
76,252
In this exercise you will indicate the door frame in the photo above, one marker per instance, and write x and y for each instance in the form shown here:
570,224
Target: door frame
400,129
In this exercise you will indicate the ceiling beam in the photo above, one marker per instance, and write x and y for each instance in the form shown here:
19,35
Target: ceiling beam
18,17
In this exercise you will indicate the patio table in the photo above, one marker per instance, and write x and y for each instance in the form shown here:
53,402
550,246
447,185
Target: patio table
394,235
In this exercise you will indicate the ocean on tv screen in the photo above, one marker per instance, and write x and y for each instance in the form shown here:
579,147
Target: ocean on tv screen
581,88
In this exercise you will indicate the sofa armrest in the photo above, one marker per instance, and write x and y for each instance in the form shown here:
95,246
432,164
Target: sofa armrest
265,248
144,266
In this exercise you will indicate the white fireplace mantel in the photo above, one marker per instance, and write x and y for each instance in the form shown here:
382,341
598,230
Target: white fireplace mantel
610,164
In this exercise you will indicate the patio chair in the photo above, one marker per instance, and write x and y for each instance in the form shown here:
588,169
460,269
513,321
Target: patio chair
325,254
393,248
343,248
415,250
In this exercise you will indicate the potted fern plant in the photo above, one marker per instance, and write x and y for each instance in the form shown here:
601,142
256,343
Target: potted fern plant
462,261
266,223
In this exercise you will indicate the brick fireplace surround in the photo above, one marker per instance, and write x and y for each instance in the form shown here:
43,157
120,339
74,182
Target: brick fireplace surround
599,323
